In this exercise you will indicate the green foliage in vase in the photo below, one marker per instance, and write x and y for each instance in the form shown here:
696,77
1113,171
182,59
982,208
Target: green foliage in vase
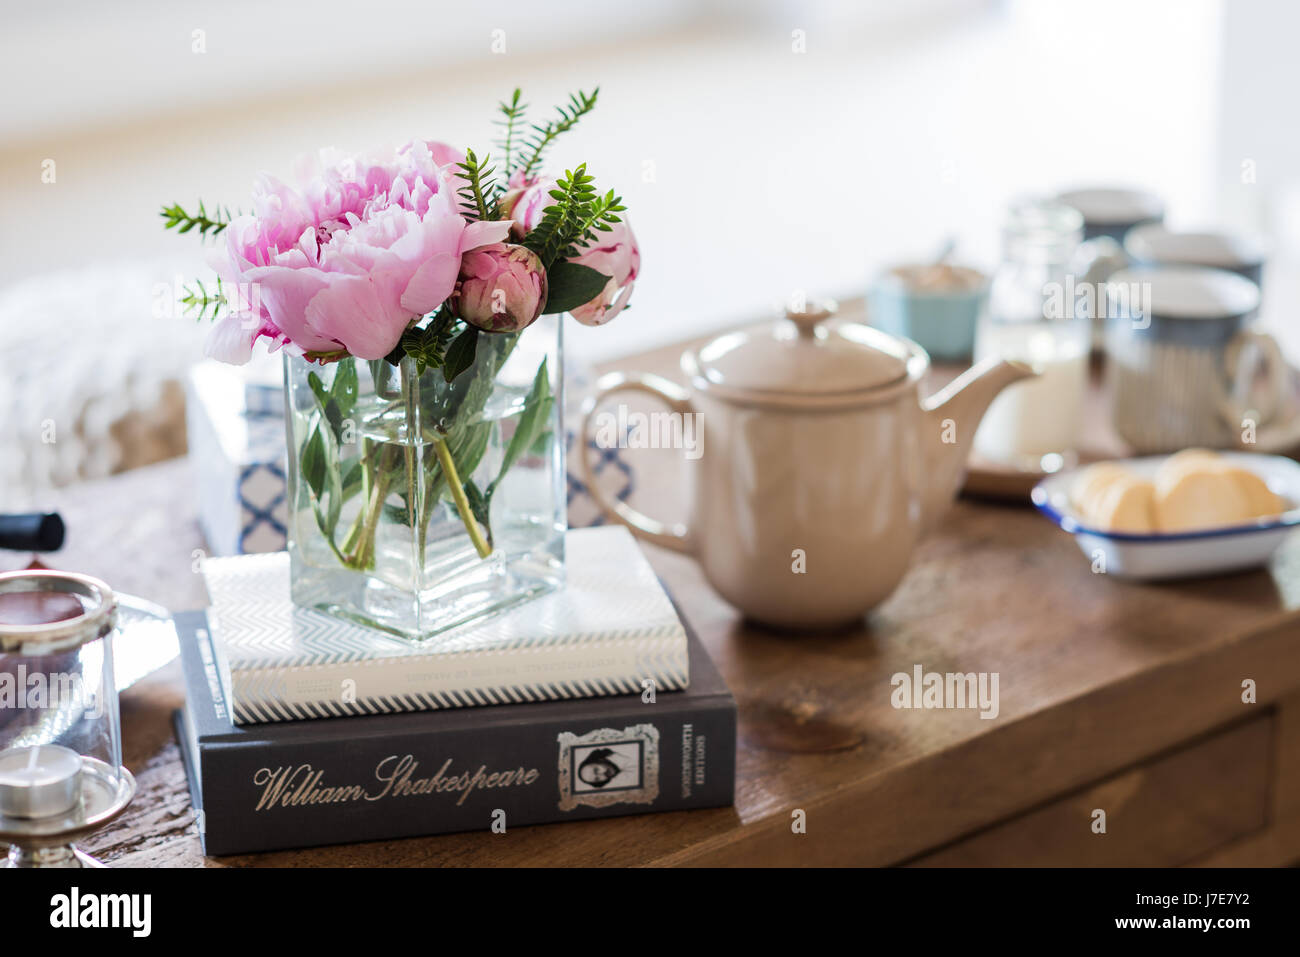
332,480
403,481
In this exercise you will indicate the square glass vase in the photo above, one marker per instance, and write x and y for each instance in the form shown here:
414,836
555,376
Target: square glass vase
417,505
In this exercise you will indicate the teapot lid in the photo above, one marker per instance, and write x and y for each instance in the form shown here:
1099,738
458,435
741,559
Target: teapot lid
803,355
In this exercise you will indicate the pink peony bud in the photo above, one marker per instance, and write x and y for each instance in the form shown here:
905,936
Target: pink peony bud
525,203
502,288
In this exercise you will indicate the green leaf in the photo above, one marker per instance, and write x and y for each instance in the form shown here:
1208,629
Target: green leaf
479,506
335,418
569,285
539,447
402,514
532,423
426,346
460,354
353,472
396,514
321,470
344,389
318,387
329,403
314,464
334,490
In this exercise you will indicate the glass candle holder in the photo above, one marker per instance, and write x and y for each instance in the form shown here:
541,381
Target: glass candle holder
61,773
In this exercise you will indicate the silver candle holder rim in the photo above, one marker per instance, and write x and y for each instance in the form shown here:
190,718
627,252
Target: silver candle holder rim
94,623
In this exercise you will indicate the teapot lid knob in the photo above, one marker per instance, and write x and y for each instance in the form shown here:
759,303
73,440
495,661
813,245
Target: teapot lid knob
809,315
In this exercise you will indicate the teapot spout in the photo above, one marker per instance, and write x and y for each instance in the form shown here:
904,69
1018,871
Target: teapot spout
951,417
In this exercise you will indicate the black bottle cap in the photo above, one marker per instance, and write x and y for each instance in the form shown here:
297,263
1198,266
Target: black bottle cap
35,532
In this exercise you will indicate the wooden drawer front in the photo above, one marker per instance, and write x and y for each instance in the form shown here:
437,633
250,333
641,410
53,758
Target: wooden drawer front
1171,810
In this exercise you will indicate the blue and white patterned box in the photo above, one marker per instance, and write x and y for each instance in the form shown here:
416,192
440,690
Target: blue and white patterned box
237,442
239,464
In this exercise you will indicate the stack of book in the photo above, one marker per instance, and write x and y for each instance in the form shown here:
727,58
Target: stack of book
301,729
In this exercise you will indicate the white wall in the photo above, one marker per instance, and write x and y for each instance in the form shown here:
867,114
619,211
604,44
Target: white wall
1258,148
750,170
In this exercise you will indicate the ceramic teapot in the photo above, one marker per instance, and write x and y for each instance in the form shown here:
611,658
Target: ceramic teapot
819,464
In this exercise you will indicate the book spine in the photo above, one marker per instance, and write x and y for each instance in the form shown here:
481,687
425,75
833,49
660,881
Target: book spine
585,669
660,757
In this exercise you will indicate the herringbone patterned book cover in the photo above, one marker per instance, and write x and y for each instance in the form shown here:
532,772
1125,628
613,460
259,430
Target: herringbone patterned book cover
610,630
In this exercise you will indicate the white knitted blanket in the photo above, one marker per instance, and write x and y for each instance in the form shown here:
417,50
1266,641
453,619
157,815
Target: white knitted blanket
87,355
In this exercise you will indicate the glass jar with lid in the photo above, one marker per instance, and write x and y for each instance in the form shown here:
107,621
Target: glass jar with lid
1034,316
61,773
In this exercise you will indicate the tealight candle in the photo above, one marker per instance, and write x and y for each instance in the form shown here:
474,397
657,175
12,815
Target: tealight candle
39,781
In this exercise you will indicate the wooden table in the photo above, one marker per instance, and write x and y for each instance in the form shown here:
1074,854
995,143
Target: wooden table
1114,696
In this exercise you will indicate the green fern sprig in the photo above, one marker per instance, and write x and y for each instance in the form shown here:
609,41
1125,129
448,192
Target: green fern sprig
513,113
476,198
577,215
561,221
175,217
205,304
544,134
600,215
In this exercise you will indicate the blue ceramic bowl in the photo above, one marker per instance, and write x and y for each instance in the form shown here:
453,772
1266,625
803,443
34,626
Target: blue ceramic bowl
936,307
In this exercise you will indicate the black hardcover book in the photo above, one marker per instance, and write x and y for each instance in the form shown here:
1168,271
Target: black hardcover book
305,783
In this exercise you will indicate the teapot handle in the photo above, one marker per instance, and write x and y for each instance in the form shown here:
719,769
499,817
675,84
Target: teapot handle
677,537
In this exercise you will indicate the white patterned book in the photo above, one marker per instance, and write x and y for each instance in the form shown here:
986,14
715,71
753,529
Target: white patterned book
606,632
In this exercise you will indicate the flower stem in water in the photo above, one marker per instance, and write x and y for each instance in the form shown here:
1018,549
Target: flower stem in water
362,537
458,496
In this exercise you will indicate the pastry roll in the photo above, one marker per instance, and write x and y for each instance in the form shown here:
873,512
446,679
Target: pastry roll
1126,505
1261,500
1192,490
1196,497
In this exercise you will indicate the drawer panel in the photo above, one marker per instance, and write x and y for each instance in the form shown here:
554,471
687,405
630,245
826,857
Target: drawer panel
1171,810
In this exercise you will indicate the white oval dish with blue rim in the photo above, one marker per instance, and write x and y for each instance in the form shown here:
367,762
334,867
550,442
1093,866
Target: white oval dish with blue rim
1211,551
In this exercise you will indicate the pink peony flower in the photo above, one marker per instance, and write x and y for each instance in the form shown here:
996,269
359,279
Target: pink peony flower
613,254
369,243
502,288
232,337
